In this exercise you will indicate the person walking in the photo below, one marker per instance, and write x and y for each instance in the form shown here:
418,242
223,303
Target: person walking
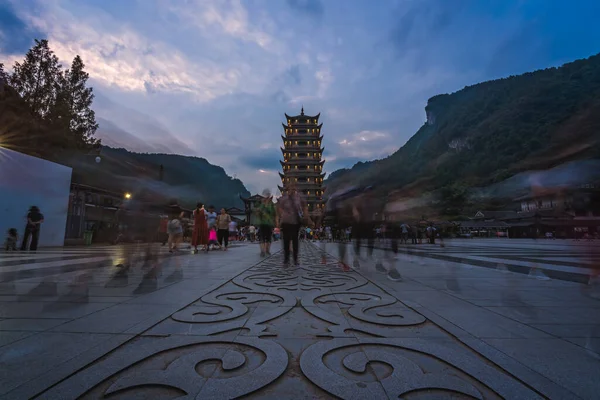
290,211
233,230
211,217
223,221
363,212
175,230
266,219
431,232
404,233
200,233
32,229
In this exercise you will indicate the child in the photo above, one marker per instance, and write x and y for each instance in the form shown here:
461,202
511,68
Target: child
212,238
11,240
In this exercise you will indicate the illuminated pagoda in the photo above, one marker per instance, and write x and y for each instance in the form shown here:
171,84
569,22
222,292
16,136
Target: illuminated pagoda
302,162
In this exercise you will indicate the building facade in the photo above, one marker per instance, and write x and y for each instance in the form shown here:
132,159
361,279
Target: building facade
302,159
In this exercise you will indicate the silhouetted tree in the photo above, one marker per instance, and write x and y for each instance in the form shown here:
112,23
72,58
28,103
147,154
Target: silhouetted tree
82,119
37,78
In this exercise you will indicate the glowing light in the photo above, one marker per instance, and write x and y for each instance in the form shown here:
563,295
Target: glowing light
127,196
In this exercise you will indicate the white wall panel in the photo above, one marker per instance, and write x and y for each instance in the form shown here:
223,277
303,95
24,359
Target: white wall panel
26,181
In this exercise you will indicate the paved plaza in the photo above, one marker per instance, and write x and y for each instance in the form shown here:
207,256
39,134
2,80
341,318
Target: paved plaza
462,323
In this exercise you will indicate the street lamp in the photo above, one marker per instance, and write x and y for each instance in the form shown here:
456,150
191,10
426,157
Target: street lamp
127,196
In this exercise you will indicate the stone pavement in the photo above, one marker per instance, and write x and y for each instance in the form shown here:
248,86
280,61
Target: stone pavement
227,325
557,259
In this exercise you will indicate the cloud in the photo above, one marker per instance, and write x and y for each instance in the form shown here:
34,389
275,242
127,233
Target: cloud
265,160
16,36
367,145
119,124
309,7
227,16
123,58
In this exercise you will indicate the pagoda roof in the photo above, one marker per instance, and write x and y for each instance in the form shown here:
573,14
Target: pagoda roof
302,115
234,210
254,197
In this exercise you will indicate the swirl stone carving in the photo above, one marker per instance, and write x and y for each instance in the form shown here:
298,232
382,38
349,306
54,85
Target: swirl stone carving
406,376
268,314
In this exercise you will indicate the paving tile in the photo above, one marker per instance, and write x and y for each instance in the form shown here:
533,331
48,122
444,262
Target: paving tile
235,325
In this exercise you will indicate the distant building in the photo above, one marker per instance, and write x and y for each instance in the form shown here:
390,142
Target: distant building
250,204
563,212
302,163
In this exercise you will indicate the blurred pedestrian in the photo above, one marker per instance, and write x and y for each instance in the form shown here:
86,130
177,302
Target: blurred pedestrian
32,229
223,221
200,232
265,212
290,214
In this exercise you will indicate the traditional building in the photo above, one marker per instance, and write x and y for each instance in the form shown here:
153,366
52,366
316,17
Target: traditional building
302,164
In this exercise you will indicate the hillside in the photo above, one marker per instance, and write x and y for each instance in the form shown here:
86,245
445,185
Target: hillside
486,133
184,178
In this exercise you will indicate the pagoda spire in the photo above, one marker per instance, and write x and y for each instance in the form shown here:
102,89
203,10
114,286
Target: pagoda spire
302,111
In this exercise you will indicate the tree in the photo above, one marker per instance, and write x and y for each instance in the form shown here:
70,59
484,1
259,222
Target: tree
79,98
3,75
36,80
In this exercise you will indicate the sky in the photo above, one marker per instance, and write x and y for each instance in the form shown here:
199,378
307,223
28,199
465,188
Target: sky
214,78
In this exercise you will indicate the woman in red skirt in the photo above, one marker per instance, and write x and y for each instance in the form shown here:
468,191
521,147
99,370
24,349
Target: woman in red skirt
200,234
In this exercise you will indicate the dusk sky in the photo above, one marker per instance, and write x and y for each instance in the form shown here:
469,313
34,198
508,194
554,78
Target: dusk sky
214,78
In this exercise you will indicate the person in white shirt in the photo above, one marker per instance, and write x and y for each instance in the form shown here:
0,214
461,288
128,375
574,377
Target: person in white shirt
233,230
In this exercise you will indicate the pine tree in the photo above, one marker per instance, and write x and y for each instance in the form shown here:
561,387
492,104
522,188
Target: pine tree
79,98
37,78
3,76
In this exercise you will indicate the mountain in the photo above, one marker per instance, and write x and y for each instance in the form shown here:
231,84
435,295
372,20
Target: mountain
488,132
186,179
114,136
122,127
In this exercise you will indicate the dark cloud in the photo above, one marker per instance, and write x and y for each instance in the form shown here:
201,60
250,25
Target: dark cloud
293,73
15,36
424,21
117,48
310,7
150,89
267,159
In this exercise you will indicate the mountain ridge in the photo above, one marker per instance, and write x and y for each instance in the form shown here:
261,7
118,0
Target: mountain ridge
490,131
186,179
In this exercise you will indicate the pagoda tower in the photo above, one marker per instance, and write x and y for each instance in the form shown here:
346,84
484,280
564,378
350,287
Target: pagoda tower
302,162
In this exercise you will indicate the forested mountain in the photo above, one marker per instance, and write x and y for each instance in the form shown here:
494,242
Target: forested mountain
183,178
486,133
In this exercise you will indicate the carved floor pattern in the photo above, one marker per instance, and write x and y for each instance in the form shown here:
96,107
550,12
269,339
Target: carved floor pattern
312,331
